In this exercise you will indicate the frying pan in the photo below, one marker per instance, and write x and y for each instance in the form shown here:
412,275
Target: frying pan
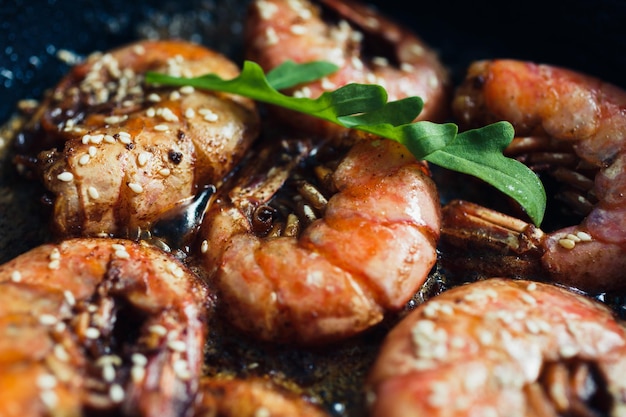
588,36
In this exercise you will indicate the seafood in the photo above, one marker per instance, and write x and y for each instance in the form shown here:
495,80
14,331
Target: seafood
502,347
116,154
368,48
571,126
99,326
251,397
309,246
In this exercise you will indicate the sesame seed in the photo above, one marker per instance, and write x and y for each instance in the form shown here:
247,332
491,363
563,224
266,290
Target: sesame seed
406,67
109,359
115,119
567,243
262,412
69,297
181,369
108,373
164,171
137,373
573,237
161,128
357,63
158,329
47,319
116,393
175,95
187,89
154,98
60,353
139,359
531,286
204,247
271,38
142,158
93,193
56,264
176,270
65,176
121,254
46,381
208,115
86,139
167,114
298,29
16,276
84,159
137,188
96,139
583,236
380,61
177,345
109,139
49,398
190,113
92,333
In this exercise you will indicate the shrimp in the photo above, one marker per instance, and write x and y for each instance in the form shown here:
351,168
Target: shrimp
116,154
312,247
502,347
383,53
99,325
579,122
251,397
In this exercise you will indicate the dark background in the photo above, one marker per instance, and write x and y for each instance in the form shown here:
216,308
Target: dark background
589,36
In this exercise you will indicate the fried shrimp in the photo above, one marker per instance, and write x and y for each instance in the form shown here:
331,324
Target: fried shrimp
251,397
502,347
571,126
115,153
99,326
308,246
368,48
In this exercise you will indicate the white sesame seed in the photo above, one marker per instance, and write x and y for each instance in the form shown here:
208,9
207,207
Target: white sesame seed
92,333
356,62
531,286
158,329
93,193
16,276
108,373
139,359
271,37
567,243
109,359
137,373
176,270
406,67
121,254
109,139
116,393
143,158
137,188
167,114
161,128
380,61
175,95
86,139
69,297
92,151
115,119
186,89
165,172
60,327
177,345
55,254
181,369
84,159
46,381
118,246
60,353
204,247
298,29
151,112
56,264
262,412
190,113
583,236
65,176
49,398
153,97
96,139
47,319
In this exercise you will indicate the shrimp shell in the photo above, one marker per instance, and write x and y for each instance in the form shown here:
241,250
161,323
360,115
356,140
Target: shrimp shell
495,348
99,325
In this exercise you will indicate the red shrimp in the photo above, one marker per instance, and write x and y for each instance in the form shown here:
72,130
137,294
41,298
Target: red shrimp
95,325
579,122
115,153
367,47
502,347
312,247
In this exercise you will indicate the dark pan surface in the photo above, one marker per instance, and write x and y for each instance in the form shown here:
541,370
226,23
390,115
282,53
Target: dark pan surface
584,35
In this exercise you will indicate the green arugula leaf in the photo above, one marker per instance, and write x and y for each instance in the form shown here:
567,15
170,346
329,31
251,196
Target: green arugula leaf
365,107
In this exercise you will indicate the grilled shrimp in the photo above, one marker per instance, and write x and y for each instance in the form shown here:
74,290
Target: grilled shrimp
311,247
573,127
251,397
116,153
502,347
368,48
99,326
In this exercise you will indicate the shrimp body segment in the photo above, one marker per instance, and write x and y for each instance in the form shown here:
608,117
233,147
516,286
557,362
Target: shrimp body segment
502,347
116,153
585,119
322,273
99,326
280,30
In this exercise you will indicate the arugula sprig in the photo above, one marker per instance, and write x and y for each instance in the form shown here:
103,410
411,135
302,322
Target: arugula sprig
364,107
